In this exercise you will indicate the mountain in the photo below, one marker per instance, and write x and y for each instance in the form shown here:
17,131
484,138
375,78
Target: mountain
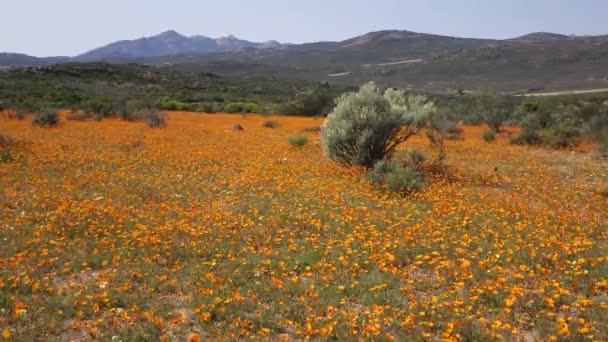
425,62
8,59
167,44
406,59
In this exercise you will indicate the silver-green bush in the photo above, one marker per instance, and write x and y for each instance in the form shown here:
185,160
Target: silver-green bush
368,125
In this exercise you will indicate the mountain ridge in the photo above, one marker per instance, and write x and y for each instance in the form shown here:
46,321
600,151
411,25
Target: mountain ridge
398,58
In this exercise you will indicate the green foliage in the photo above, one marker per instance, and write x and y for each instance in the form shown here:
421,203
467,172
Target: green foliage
155,119
397,176
488,136
527,136
170,104
560,136
309,103
492,108
132,110
270,124
98,107
46,118
242,107
6,156
206,108
298,140
368,125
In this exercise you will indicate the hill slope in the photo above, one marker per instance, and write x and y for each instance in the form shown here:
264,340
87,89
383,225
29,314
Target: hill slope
538,61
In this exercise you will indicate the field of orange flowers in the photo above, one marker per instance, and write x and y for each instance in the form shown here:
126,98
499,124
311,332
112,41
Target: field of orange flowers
112,231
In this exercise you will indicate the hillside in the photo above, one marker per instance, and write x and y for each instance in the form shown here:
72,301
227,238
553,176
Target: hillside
66,85
427,62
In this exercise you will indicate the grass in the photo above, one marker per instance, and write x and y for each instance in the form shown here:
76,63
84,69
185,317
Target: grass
202,232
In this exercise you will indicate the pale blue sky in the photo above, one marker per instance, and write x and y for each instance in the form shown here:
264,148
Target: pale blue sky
70,27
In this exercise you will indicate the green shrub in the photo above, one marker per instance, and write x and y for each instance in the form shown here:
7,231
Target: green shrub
270,124
46,118
309,103
132,110
560,137
209,108
6,156
368,125
242,107
298,140
527,136
98,107
155,119
488,136
492,108
397,176
168,104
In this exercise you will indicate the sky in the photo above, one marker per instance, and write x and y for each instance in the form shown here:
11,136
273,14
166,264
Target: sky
71,27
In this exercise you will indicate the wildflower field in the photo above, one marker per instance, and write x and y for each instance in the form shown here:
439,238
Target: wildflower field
115,231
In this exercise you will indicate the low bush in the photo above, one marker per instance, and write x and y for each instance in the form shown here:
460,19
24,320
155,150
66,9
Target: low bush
270,124
488,136
242,107
6,156
155,119
560,137
209,108
527,136
168,104
298,140
46,118
309,103
397,176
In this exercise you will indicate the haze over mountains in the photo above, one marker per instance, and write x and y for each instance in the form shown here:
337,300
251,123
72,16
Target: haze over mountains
398,58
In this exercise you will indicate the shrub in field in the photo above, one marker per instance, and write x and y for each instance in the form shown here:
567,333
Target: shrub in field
169,104
298,140
492,108
46,118
560,136
242,107
238,127
397,176
441,128
527,136
270,124
6,156
98,108
368,125
155,119
206,108
132,110
309,103
488,136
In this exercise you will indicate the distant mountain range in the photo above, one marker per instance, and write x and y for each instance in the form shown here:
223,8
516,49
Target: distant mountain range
399,58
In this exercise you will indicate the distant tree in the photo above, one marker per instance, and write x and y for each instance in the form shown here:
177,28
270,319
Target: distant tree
492,108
